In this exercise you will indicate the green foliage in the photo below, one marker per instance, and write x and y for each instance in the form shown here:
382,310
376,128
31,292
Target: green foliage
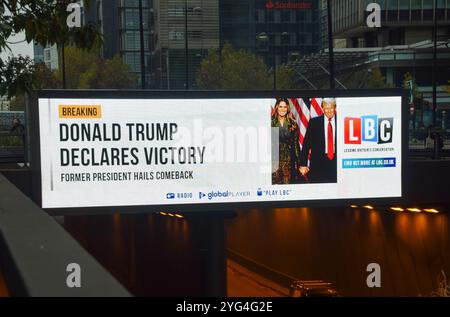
446,88
377,80
86,70
114,73
240,70
20,75
78,63
45,22
11,140
285,78
16,76
45,78
17,103
366,79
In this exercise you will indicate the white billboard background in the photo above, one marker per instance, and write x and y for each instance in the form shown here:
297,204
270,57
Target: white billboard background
238,158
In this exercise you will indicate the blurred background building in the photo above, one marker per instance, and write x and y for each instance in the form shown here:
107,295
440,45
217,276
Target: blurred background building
401,50
179,33
184,31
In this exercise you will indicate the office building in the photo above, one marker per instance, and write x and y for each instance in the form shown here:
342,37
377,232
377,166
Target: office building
278,31
403,44
177,56
47,55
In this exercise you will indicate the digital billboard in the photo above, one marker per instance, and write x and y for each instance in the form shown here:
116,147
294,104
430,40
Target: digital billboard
193,149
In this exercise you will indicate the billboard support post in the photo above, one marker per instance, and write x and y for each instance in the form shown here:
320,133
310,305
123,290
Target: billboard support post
210,241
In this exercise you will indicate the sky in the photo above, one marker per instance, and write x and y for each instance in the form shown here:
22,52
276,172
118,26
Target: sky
22,48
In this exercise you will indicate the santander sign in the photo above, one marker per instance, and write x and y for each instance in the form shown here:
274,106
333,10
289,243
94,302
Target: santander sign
288,5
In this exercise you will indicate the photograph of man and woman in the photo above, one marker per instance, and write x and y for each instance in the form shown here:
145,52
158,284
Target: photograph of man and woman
306,136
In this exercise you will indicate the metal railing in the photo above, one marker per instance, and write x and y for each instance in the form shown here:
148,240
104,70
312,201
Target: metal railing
35,253
12,147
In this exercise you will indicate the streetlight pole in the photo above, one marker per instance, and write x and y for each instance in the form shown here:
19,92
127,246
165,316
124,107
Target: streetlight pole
274,68
186,44
330,44
263,37
274,56
63,65
435,29
141,35
435,38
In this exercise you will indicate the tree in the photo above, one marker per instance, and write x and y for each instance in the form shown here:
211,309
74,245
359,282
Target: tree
377,80
366,79
45,78
20,75
240,70
446,88
78,64
16,76
17,103
114,73
45,22
285,78
86,70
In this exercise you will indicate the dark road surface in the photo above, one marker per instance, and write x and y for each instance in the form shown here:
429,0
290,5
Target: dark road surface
337,244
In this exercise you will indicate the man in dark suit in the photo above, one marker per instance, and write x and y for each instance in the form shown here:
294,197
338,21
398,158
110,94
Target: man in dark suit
320,140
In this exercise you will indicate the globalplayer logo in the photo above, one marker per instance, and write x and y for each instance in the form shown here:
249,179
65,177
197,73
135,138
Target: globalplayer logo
214,194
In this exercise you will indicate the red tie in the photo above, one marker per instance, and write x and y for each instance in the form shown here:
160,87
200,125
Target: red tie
330,153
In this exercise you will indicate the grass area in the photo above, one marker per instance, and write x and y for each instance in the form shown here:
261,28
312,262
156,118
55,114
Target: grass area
7,139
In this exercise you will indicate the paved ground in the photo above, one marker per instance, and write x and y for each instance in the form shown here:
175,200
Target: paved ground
244,283
241,283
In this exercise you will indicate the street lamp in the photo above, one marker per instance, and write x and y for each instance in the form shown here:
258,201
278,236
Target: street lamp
285,35
330,44
435,38
186,47
263,37
141,39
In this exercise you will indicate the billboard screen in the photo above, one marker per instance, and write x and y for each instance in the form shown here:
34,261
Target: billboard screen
192,150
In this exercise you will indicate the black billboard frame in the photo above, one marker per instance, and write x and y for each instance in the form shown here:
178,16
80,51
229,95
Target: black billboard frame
216,94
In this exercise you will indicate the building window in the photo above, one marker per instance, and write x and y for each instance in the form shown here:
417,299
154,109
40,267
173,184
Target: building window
134,3
46,55
285,38
175,12
286,16
270,16
259,16
428,6
130,19
133,61
176,35
404,7
195,34
440,12
131,40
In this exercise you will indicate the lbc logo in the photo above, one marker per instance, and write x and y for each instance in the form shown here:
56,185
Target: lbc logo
368,129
